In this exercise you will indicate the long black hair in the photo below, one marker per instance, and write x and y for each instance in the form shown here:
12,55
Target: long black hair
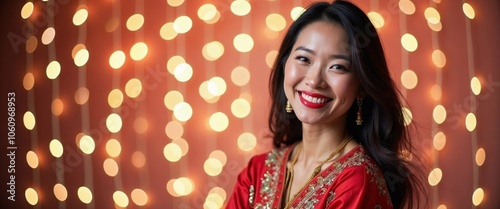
383,133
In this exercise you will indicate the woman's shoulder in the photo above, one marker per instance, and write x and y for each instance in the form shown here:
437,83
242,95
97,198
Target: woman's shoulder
274,156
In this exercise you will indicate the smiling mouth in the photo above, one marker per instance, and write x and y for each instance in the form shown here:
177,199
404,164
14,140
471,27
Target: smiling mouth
312,100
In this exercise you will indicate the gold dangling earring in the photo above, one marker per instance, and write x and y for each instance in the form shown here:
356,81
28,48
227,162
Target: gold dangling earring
288,107
359,118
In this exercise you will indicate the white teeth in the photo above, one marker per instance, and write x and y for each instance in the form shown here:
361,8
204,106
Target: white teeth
313,99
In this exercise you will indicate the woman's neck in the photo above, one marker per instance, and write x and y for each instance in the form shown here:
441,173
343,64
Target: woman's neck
320,140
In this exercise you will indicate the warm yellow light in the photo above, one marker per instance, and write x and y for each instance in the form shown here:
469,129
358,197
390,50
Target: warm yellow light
470,122
183,72
57,107
56,148
438,58
115,98
170,188
435,27
432,15
167,31
141,125
409,79
436,92
219,191
82,95
407,115
218,121
139,197
138,159
478,196
133,88
183,24
215,198
240,7
212,50
135,22
113,148
48,35
183,144
81,57
217,86
205,93
240,76
442,206
175,3
243,42
31,196
275,22
28,81
183,111
172,152
212,167
32,159
120,199
183,186
87,144
439,141
173,62
110,167
247,142
84,194
296,12
210,204
439,114
76,49
31,44
468,11
53,70
270,57
174,130
376,19
114,123
435,176
207,12
138,51
80,16
60,192
27,10
407,7
240,108
215,19
219,155
475,85
480,156
409,42
117,59
172,98
29,120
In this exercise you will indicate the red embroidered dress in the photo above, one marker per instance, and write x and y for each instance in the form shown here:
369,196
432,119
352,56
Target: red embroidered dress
353,181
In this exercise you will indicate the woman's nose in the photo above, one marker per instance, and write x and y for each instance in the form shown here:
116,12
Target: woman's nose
314,78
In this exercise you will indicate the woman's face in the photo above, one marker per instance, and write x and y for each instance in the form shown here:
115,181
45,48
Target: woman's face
319,81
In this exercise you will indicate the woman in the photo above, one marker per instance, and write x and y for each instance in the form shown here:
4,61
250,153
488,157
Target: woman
336,119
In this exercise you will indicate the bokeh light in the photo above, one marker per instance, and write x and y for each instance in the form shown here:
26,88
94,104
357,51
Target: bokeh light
183,72
48,35
31,44
32,159
56,148
174,130
31,196
183,111
477,196
29,120
28,81
120,199
212,50
439,114
475,85
439,141
57,107
212,167
113,148
409,42
183,24
217,86
87,144
27,10
275,22
80,16
172,152
138,159
409,79
183,186
138,51
407,7
114,123
175,3
139,197
408,116
480,156
135,22
240,7
172,98
247,141
115,98
376,19
117,59
110,167
468,11
60,192
218,122
133,88
435,176
183,144
296,12
438,58
432,15
167,31
240,108
207,12
470,122
85,195
243,42
81,57
240,76
53,70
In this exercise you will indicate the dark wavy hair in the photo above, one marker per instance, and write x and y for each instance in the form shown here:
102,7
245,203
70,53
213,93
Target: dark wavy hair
383,133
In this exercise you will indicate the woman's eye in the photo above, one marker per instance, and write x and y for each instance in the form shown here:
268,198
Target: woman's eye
302,59
339,67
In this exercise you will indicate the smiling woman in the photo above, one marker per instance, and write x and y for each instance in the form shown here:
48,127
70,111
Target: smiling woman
338,141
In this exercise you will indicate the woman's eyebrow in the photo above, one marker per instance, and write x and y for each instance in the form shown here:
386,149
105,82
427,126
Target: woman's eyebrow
335,56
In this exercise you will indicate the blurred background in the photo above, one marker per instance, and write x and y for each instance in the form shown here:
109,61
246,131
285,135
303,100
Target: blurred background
160,104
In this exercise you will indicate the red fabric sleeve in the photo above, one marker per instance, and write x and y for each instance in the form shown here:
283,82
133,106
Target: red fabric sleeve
357,189
249,176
